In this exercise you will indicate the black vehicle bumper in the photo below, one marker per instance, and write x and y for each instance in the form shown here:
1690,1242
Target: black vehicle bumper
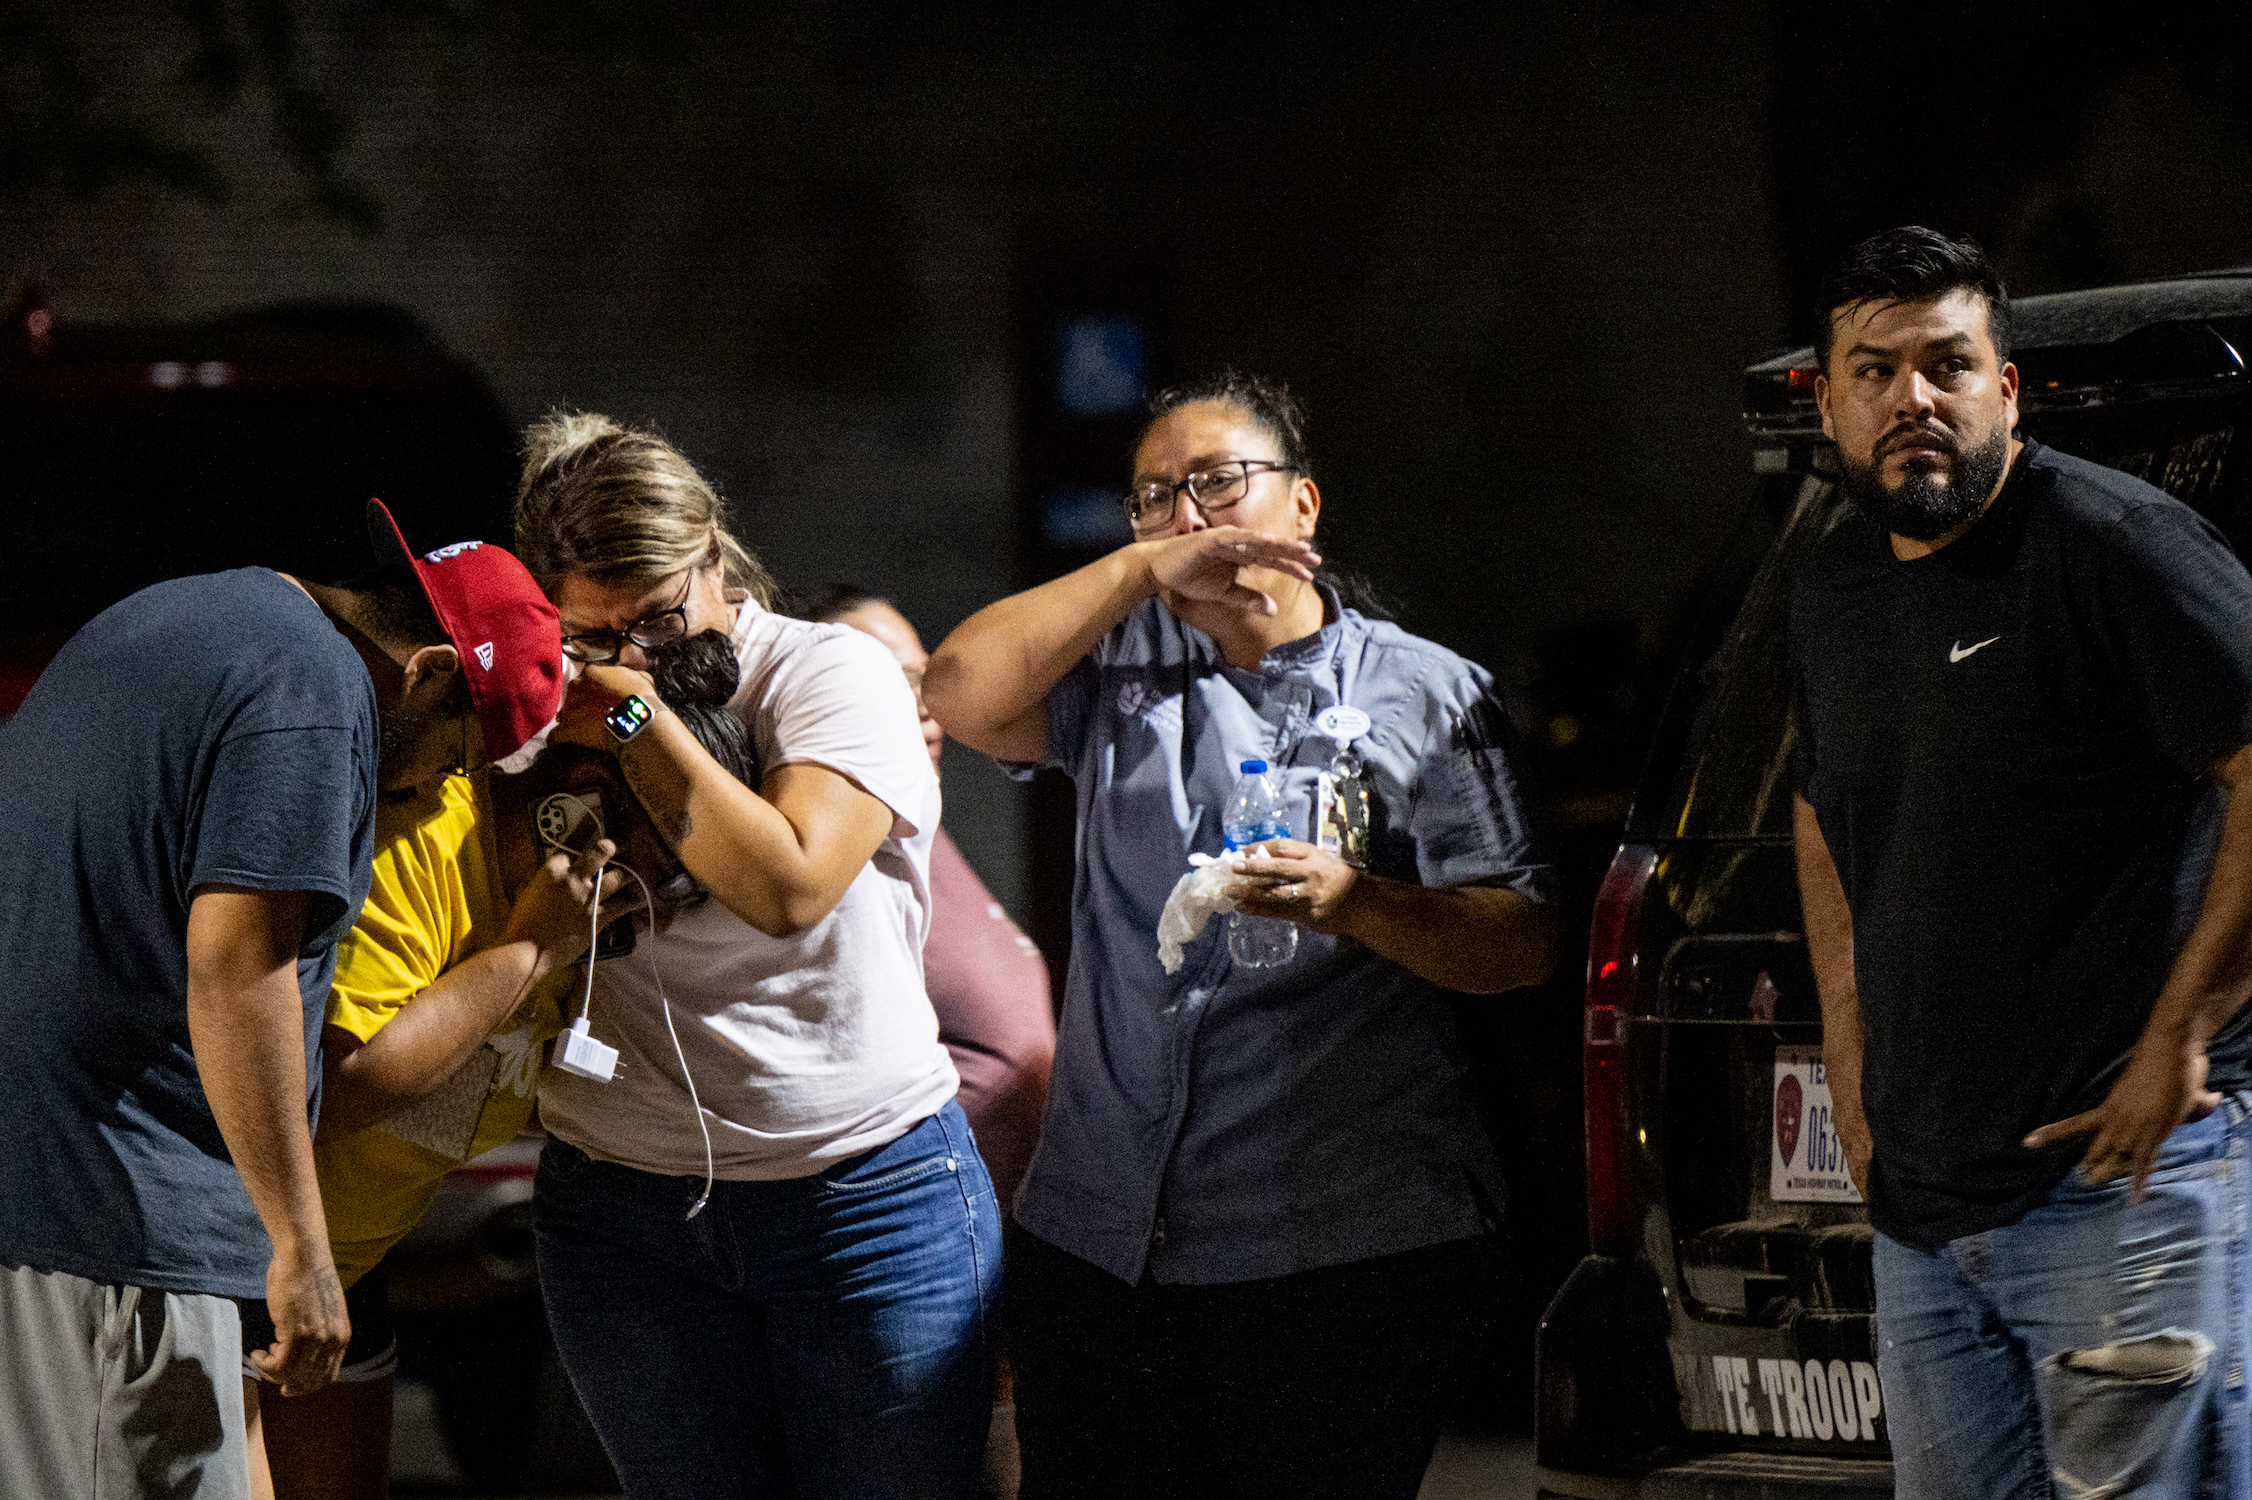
1731,1476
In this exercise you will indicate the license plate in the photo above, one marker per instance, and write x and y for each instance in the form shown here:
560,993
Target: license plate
1805,1161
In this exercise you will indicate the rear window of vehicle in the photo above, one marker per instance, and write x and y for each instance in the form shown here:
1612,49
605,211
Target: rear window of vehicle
108,495
1735,782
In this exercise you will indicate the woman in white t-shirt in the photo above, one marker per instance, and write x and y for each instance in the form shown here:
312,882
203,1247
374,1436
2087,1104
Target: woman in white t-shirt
766,1243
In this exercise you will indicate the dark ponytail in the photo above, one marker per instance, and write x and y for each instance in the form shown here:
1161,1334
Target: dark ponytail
1266,402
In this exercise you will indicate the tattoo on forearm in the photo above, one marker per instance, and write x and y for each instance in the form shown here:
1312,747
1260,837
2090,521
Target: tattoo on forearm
330,1291
673,823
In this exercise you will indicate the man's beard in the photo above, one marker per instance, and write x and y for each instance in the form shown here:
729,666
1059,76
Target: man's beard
402,730
1923,508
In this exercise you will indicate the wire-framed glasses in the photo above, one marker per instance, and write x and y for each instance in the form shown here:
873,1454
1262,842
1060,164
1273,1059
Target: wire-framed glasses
595,647
1149,507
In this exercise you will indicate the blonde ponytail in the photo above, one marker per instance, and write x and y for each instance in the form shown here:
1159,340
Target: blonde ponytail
621,506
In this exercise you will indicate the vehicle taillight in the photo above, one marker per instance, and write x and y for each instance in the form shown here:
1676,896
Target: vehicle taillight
22,659
31,322
1613,1216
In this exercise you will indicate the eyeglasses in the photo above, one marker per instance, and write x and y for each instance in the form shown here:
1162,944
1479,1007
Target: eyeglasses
595,647
1149,507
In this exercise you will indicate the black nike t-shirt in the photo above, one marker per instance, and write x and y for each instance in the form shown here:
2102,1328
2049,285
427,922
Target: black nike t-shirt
2008,745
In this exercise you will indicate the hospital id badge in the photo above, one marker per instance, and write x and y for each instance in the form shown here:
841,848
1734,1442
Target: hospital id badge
1341,817
1341,792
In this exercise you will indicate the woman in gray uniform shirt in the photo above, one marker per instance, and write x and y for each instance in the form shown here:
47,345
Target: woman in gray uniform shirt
1258,1256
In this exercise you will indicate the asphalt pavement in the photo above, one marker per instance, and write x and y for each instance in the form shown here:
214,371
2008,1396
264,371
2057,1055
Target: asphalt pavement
1468,1465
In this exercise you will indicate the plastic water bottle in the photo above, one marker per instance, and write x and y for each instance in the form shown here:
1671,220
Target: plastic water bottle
1255,815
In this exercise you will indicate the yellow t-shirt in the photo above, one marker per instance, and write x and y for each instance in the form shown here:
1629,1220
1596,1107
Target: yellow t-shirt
435,900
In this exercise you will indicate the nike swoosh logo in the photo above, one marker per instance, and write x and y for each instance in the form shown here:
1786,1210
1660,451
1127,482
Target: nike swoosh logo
1960,650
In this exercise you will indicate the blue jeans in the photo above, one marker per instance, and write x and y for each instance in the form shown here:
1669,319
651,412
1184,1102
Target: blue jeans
2093,1348
827,1336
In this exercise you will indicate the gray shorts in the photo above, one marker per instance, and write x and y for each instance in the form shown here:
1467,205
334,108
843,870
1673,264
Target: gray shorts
117,1392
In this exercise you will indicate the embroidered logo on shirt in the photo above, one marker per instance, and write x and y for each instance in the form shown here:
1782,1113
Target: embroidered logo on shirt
484,655
1960,651
1160,712
445,1120
519,1060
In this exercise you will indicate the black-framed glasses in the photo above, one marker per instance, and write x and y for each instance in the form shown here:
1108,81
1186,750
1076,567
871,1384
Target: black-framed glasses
595,647
1149,507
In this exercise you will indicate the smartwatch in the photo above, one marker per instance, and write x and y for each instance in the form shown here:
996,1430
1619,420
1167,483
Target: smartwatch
629,718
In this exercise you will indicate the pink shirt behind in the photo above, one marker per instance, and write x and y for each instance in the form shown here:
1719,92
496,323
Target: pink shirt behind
989,985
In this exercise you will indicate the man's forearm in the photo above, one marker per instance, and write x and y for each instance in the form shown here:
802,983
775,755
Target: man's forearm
246,1026
1841,1051
2212,975
1480,940
430,1037
249,1043
2164,1082
1828,921
1841,1032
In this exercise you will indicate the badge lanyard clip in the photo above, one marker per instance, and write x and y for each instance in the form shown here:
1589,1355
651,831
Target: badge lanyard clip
1341,804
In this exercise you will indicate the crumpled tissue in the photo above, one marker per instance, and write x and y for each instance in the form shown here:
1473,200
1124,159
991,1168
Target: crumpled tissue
1196,897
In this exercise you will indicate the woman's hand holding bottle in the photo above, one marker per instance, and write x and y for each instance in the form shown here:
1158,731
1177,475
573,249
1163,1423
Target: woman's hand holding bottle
1296,882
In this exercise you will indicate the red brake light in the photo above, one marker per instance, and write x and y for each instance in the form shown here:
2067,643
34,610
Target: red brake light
1612,1213
22,659
31,322
1800,383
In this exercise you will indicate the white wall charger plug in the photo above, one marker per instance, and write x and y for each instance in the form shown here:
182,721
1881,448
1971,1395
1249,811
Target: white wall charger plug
585,1056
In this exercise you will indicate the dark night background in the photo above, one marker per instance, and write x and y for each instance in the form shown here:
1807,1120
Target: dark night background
1513,258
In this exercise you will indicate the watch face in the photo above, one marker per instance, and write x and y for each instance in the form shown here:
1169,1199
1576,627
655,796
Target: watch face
626,719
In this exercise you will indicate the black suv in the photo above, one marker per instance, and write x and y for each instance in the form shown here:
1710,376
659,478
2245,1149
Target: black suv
145,452
1717,1340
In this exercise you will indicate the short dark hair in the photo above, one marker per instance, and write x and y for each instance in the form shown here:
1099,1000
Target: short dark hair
697,677
390,606
394,609
1909,264
837,597
1268,403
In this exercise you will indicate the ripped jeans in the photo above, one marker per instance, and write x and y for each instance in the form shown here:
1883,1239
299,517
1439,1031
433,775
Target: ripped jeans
2094,1348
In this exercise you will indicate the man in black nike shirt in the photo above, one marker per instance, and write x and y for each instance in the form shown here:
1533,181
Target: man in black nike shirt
2023,695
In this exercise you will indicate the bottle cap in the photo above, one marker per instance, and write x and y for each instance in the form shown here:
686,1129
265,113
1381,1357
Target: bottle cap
1253,767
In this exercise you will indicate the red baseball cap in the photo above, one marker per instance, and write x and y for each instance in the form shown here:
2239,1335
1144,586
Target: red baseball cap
510,638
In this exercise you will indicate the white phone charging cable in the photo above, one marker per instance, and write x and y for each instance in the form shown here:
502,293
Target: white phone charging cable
582,1054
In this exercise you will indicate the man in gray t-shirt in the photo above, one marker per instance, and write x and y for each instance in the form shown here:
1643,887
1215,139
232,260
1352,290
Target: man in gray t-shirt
186,806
